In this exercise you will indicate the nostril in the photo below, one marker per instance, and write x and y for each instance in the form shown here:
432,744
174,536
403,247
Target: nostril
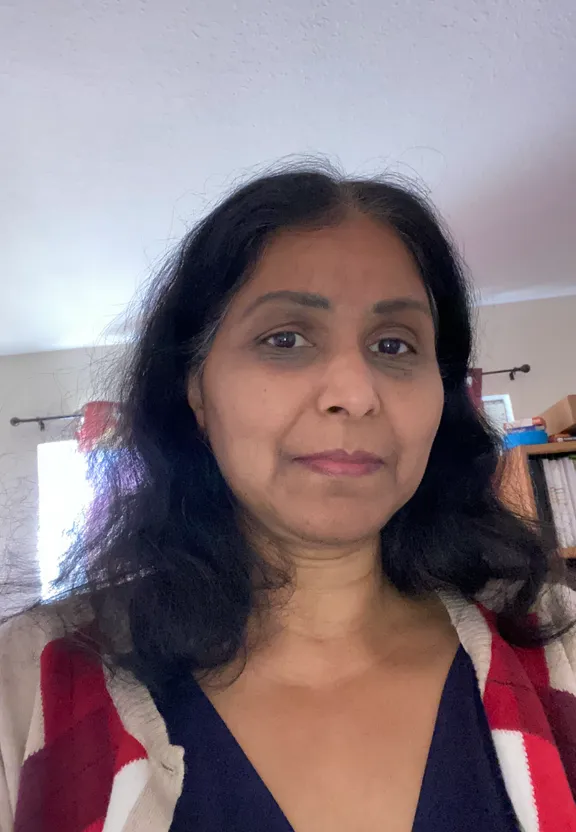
335,409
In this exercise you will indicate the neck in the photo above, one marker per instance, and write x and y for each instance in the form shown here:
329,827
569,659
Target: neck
342,617
335,596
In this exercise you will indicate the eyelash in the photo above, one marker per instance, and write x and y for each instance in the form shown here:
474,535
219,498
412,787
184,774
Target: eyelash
264,342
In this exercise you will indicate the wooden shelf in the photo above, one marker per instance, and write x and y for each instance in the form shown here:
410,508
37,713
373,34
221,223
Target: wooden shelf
555,448
549,448
516,487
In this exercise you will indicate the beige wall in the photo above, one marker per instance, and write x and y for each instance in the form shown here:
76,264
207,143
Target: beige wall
541,333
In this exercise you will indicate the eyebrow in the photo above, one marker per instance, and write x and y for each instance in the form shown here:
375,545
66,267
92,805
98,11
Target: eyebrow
314,301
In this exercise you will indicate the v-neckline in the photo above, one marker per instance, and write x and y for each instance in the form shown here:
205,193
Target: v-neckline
265,792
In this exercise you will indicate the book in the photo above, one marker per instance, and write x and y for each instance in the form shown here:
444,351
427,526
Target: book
531,422
554,484
569,464
567,508
554,506
509,427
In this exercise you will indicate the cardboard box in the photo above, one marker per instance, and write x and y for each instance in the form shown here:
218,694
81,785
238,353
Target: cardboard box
561,417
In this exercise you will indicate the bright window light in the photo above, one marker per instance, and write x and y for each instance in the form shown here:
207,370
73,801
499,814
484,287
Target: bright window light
64,494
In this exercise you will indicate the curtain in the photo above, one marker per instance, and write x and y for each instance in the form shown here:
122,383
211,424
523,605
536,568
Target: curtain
97,438
98,425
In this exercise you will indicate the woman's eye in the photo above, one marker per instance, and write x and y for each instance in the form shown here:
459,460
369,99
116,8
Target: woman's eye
286,340
390,346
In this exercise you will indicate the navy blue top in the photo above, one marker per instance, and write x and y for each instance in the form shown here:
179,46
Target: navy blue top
462,786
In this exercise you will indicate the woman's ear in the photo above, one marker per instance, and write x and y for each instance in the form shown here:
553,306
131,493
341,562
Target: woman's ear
195,399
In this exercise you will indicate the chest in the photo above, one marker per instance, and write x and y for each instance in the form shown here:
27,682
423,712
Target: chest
343,759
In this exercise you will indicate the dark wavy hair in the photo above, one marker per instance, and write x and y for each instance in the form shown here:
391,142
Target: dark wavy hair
168,563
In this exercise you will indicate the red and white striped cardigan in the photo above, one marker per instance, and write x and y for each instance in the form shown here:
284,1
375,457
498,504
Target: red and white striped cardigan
84,751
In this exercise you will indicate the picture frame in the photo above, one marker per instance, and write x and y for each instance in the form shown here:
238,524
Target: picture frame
498,409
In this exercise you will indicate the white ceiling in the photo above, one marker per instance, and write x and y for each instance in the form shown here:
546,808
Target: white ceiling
123,120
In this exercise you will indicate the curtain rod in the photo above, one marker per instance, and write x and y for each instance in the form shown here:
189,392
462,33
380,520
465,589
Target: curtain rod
525,368
40,420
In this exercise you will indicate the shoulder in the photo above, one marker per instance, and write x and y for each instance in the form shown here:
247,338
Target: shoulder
555,612
22,642
57,695
555,603
24,637
556,607
25,640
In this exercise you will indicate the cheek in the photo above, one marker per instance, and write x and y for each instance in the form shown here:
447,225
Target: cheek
415,415
247,414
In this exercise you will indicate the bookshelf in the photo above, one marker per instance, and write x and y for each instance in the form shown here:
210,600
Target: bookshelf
517,486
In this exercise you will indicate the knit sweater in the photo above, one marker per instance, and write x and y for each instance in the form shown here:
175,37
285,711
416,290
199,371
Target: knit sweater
84,750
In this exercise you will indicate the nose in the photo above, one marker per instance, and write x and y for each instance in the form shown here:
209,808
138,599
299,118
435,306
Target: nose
349,387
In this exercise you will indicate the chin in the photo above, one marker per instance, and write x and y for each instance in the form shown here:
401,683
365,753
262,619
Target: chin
337,531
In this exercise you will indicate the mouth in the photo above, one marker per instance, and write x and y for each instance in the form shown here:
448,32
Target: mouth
342,464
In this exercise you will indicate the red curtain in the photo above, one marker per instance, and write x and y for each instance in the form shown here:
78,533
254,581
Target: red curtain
98,426
97,438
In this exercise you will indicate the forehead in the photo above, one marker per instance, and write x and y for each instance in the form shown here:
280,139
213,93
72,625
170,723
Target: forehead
358,261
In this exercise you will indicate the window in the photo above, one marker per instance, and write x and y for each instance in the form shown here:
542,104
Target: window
64,494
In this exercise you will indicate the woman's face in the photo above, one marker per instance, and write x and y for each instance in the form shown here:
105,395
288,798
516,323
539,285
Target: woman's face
327,350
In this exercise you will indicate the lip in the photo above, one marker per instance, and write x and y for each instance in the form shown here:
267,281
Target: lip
339,463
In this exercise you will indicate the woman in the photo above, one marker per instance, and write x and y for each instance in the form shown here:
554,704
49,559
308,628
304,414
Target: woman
310,611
